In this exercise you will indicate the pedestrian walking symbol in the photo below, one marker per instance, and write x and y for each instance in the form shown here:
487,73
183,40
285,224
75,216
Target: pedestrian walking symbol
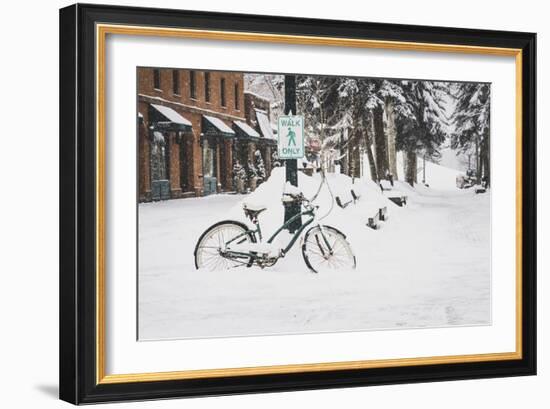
291,137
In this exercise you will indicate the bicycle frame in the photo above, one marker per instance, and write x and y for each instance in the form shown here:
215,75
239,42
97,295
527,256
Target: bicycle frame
310,211
298,232
258,231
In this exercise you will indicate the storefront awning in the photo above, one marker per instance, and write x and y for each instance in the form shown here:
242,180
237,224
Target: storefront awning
165,118
265,126
212,126
245,131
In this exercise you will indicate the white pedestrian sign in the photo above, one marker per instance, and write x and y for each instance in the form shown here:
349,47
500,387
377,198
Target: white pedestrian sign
290,137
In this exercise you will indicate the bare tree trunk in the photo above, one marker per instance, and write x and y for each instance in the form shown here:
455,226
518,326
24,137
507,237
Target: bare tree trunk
391,130
354,154
380,142
344,159
478,161
344,165
415,168
410,167
368,146
487,161
372,164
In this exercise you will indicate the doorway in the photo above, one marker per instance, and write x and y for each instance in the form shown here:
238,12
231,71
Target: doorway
209,167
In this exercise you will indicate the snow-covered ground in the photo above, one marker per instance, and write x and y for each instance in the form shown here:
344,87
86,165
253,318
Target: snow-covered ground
428,266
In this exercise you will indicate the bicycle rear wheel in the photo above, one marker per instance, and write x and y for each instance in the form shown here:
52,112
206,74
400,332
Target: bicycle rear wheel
210,249
325,248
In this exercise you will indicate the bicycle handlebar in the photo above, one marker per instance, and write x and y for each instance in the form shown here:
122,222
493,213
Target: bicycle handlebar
295,197
300,196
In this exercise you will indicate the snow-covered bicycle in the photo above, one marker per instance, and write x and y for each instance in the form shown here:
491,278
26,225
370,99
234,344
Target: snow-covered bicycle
229,243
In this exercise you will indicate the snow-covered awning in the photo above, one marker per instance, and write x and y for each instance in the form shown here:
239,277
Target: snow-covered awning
163,117
213,126
244,130
265,125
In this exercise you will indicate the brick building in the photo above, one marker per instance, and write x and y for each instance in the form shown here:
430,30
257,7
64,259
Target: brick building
257,111
192,127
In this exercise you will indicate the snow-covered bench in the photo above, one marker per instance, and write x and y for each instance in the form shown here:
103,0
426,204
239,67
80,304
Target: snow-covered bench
398,200
372,222
480,189
354,198
380,216
393,194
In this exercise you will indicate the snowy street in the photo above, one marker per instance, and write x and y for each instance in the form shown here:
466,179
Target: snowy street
428,266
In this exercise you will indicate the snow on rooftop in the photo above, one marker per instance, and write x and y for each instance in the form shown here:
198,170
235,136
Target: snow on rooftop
218,123
255,94
247,129
265,125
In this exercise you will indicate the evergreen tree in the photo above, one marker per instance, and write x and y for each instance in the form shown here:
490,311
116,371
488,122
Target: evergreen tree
381,116
427,128
377,104
471,119
260,166
251,171
396,107
356,98
275,162
239,177
318,101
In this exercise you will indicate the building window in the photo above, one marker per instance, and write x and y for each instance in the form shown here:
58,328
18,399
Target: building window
237,107
207,86
193,84
156,79
176,82
222,92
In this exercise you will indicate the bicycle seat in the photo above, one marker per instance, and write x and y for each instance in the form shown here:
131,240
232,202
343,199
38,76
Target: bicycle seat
253,210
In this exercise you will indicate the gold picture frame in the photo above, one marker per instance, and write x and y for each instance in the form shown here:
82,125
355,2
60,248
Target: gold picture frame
98,20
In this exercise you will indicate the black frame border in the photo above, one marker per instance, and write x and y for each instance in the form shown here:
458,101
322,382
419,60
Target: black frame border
78,197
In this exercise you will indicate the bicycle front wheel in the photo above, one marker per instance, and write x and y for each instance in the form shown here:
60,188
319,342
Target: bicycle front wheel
210,251
325,248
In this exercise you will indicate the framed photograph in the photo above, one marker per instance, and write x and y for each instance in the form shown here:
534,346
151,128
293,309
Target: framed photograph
258,204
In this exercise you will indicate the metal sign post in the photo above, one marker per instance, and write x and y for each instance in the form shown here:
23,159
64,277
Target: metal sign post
289,137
